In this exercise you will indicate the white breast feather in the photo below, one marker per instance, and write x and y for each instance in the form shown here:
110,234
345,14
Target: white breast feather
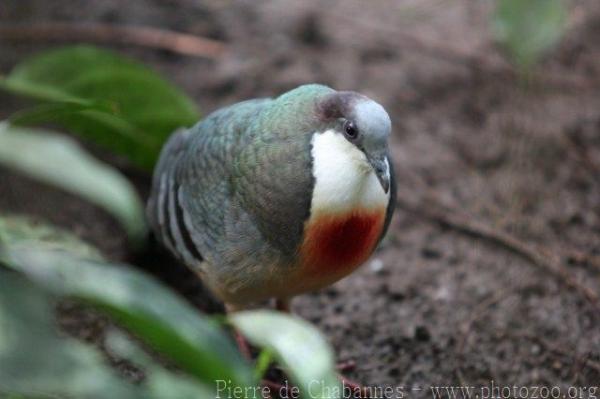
344,180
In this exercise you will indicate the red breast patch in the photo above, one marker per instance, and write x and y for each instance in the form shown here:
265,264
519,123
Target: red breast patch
334,245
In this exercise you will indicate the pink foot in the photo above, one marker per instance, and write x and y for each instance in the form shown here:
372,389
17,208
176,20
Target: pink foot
346,365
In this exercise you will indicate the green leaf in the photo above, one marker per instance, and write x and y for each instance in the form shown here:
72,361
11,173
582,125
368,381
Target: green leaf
159,382
21,235
143,306
24,231
59,161
142,107
39,92
49,112
528,28
102,128
35,362
298,346
93,123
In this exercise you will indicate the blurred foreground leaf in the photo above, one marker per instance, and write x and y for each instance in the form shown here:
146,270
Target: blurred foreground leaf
298,346
159,382
137,302
36,362
112,100
59,161
24,231
527,28
143,306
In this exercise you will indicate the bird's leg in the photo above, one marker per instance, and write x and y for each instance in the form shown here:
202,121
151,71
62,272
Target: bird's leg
283,305
240,341
244,349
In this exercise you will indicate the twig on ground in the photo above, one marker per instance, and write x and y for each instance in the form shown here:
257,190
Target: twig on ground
433,209
582,258
181,43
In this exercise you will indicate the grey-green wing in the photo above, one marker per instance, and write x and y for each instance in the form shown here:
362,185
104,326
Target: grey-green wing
190,193
273,181
234,191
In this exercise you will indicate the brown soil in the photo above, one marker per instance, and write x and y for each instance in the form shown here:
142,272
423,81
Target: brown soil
489,166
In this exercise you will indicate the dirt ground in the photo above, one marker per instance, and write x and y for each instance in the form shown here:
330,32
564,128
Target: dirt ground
490,271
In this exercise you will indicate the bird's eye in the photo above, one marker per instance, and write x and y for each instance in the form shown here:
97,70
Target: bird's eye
350,130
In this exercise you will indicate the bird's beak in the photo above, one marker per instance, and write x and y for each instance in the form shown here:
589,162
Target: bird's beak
382,171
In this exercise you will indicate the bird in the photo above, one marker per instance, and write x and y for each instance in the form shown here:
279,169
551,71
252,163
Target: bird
274,197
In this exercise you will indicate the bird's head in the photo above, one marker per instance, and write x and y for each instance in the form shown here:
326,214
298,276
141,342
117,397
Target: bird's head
364,124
